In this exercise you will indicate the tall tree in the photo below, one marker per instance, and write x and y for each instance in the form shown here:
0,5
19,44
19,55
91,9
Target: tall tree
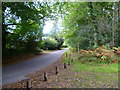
22,24
93,25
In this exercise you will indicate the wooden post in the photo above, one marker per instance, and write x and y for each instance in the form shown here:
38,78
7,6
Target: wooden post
65,66
27,85
68,62
30,84
70,56
72,60
56,70
78,48
45,76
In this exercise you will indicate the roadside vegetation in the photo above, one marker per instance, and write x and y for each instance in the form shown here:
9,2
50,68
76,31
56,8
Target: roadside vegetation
92,34
89,70
22,29
85,70
83,28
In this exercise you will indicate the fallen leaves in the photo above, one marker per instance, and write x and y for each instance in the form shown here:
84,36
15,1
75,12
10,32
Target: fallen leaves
66,78
102,54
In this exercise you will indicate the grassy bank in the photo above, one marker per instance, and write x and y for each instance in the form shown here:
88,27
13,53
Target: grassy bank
88,71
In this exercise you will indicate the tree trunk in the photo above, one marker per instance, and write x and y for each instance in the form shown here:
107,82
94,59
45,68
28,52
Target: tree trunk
78,48
4,34
94,23
113,27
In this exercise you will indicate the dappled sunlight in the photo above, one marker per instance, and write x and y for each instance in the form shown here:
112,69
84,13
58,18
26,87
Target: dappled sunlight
60,44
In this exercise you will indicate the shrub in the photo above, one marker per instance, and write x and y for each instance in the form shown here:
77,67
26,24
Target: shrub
50,44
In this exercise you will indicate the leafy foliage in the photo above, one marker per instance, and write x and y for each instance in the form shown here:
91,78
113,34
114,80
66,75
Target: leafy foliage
56,36
91,26
22,24
50,44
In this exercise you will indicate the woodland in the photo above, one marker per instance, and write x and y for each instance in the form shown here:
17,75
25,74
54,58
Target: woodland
86,25
89,30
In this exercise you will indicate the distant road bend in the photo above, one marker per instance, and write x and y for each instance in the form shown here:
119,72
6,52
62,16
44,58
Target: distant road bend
18,71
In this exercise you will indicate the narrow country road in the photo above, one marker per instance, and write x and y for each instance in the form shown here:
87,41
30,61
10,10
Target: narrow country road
18,71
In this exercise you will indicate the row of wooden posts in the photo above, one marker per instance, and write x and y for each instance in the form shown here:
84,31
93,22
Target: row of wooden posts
56,70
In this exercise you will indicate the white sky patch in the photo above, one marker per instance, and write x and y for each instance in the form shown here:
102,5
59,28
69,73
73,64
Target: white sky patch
60,24
48,26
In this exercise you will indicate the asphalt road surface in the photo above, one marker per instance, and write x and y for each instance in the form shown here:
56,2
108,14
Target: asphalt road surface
18,71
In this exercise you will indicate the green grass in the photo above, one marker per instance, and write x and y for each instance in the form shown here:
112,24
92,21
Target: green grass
96,67
85,74
64,48
91,74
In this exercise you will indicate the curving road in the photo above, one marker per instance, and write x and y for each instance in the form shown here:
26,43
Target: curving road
18,71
